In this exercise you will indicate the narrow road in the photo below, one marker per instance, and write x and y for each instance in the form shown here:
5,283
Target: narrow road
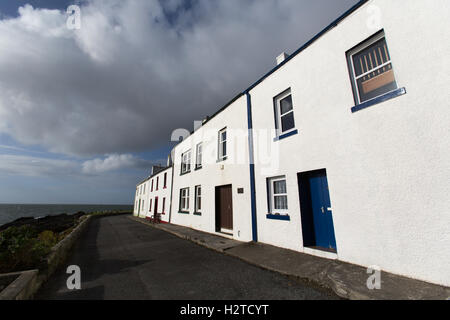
124,259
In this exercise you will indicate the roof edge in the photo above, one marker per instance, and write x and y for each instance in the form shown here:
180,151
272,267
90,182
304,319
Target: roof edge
309,43
154,175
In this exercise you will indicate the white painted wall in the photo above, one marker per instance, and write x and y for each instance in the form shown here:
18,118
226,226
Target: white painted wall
163,192
142,195
234,170
388,166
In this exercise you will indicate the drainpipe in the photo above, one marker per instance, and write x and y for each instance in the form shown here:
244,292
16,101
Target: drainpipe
252,167
171,193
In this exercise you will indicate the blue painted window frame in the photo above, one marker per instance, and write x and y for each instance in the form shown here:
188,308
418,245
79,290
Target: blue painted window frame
278,217
286,135
380,99
293,131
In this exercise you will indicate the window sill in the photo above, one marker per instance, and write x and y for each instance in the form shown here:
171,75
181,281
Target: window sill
222,160
185,173
198,168
183,212
197,213
380,99
278,217
286,135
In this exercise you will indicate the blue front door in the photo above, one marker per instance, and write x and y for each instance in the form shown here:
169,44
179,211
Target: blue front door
322,214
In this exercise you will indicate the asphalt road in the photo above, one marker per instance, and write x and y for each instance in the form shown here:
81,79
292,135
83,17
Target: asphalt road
124,259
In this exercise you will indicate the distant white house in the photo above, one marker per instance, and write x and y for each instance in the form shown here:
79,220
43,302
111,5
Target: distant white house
140,201
153,195
341,151
160,184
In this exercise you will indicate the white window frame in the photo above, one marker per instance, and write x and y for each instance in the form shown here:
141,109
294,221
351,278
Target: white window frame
355,78
197,197
184,194
221,143
199,156
272,196
186,162
278,114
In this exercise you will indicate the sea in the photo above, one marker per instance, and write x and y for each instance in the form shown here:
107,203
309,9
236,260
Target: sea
11,212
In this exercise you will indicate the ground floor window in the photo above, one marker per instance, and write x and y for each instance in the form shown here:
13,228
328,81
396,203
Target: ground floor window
277,191
184,200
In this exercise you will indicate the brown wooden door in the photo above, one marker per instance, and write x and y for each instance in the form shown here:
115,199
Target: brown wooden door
224,208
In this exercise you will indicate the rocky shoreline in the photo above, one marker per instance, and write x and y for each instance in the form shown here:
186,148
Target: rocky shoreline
25,243
55,223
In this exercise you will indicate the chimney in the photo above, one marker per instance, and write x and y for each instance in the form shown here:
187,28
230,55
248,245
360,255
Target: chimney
282,57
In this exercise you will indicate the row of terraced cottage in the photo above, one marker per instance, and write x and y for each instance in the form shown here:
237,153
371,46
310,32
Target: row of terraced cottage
341,151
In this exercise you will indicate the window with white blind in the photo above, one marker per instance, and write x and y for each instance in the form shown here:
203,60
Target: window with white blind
184,200
371,69
278,200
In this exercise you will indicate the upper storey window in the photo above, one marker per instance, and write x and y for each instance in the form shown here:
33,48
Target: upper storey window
186,162
371,69
284,113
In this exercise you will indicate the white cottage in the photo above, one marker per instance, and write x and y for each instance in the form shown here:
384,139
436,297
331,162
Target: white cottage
211,186
341,151
359,118
153,195
159,194
140,199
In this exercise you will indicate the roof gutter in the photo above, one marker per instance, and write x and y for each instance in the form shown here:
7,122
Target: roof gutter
307,44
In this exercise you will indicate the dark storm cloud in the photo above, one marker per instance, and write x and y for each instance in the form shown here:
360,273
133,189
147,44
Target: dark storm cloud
135,70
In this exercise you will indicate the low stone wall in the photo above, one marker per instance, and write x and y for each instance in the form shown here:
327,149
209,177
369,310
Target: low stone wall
28,282
60,251
22,285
